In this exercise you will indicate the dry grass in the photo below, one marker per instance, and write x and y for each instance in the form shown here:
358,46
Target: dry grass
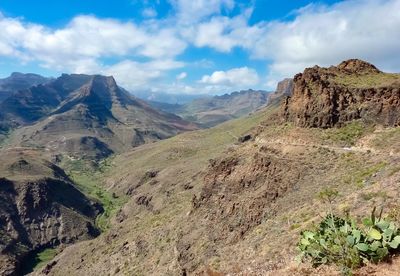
374,80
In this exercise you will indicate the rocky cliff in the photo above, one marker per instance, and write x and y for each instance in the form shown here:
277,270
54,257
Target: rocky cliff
355,89
283,89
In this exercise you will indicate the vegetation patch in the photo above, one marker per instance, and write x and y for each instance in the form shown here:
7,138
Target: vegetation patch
37,260
346,135
372,80
341,241
360,177
88,181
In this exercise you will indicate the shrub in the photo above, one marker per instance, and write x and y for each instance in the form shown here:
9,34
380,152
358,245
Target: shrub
342,242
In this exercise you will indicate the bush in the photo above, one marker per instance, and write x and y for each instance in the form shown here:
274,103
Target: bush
340,241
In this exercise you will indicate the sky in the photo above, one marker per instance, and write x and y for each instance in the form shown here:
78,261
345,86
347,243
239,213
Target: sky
195,46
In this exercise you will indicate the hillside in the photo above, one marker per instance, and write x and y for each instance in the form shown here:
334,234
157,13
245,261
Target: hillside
210,111
204,203
40,207
84,116
18,81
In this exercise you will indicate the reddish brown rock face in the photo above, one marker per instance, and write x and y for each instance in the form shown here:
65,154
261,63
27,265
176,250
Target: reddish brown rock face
327,97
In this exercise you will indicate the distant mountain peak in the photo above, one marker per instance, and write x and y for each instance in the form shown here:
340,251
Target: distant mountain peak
209,111
77,105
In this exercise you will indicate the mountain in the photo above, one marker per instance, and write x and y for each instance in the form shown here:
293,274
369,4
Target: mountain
19,81
208,202
39,207
210,111
283,89
85,116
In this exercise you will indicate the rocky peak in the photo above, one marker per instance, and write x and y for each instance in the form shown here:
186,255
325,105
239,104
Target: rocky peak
284,88
357,66
355,89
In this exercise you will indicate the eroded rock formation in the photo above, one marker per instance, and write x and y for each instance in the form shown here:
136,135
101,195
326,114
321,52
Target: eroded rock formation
327,97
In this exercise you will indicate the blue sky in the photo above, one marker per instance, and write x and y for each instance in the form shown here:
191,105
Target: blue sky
195,46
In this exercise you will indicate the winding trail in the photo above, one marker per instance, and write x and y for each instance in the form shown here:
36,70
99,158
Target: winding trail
357,149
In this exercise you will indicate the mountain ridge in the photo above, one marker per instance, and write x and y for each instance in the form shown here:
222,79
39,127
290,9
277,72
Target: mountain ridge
76,106
17,81
210,111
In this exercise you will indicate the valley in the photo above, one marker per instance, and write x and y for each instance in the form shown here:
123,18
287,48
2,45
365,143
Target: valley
200,138
231,199
211,111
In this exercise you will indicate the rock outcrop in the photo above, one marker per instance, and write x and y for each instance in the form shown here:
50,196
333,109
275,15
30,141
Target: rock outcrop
328,97
283,89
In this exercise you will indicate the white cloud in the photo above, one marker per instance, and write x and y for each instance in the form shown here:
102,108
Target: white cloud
134,75
181,76
326,35
193,11
222,33
238,77
145,52
149,12
82,45
84,40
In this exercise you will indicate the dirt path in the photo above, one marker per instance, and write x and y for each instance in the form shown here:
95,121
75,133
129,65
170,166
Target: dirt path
359,149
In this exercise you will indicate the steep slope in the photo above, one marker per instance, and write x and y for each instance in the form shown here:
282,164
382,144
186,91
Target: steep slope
40,207
211,111
326,97
18,81
89,116
202,204
159,180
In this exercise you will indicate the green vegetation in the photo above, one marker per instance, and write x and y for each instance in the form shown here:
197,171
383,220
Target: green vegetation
342,242
38,260
346,135
360,177
44,257
368,80
88,181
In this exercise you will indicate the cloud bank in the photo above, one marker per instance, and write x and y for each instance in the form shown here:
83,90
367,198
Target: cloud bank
145,53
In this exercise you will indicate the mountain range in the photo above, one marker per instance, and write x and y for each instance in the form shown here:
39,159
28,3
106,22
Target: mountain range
210,111
84,115
18,81
233,199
